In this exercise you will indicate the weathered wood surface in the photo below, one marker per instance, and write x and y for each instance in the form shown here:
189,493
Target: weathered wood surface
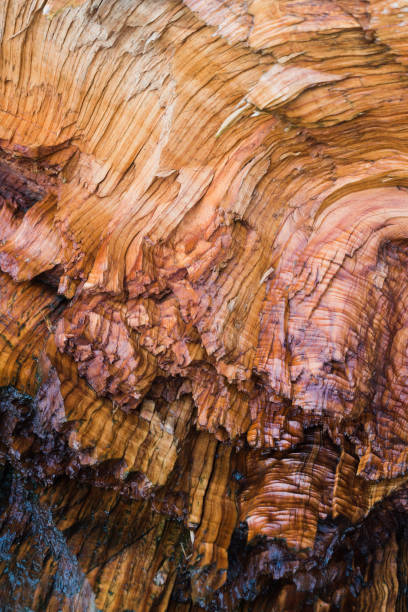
204,305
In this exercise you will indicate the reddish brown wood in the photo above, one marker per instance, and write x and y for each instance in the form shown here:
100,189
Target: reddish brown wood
203,305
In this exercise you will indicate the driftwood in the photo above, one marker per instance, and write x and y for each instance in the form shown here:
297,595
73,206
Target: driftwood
204,272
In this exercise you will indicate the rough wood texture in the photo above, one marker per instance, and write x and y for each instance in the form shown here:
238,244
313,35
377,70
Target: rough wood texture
204,305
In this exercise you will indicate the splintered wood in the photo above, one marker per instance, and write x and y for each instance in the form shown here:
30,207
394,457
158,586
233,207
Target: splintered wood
204,305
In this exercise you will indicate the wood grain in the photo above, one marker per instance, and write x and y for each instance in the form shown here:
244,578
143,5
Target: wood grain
203,305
